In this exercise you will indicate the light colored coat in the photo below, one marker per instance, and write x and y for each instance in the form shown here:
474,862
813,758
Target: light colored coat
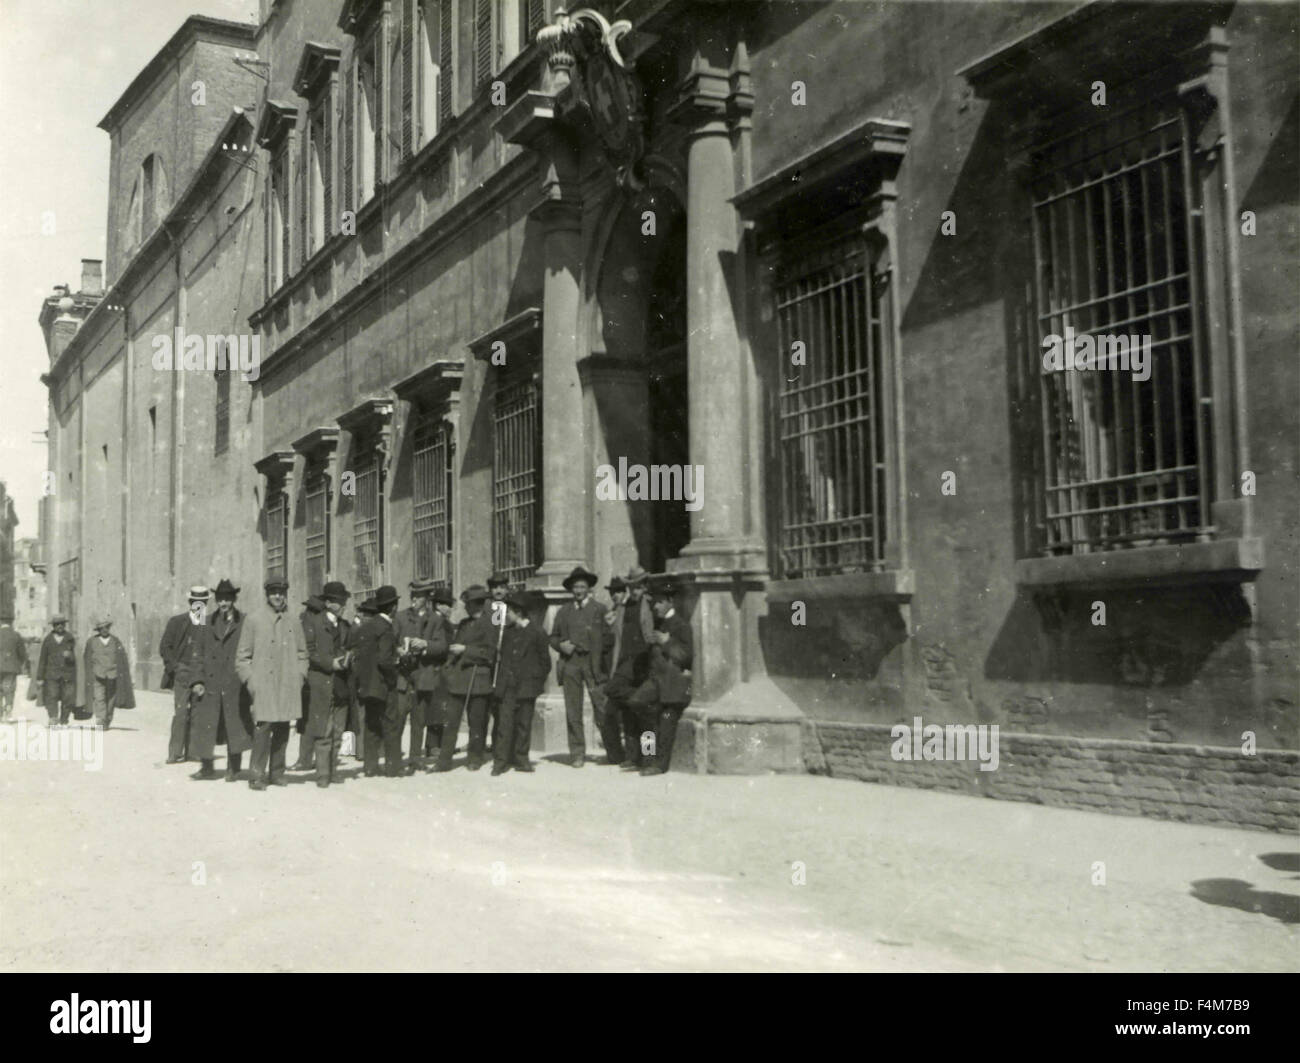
272,664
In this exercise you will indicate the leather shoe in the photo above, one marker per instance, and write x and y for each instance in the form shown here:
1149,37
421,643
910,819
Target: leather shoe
257,784
204,772
232,776
323,783
170,760
442,767
577,762
474,765
525,767
500,769
279,780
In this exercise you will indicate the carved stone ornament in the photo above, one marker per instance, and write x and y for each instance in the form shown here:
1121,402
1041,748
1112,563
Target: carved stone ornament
583,47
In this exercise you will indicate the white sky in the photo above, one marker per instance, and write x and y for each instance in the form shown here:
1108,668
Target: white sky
63,63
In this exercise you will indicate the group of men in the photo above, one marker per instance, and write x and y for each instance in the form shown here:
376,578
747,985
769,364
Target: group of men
242,679
64,681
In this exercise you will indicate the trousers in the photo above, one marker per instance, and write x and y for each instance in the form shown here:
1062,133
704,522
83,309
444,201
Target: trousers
60,696
178,746
270,740
478,716
514,731
327,746
103,694
578,673
383,731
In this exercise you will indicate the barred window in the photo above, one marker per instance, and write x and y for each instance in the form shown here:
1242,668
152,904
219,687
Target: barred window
516,477
316,505
432,501
367,526
831,423
277,535
222,442
1124,460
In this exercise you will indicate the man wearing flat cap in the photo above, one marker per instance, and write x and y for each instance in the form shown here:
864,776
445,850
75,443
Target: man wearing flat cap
181,651
272,663
472,654
580,636
223,713
329,689
376,667
107,673
421,649
56,671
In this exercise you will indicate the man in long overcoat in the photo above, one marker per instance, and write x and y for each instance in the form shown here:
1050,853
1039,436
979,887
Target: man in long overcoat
329,689
375,663
272,664
57,671
182,658
106,674
222,714
666,691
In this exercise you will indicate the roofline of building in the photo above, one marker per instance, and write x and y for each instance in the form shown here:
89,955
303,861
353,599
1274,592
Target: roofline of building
196,27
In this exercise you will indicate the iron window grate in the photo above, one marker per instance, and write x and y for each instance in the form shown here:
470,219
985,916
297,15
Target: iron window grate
516,478
432,505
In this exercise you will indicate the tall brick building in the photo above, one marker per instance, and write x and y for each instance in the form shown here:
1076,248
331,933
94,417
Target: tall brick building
488,246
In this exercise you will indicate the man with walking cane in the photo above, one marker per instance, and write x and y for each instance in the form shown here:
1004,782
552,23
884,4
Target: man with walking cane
469,679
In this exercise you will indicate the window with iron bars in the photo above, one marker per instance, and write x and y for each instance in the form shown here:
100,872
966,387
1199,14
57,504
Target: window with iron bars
316,545
830,417
1124,462
516,477
277,535
432,500
367,525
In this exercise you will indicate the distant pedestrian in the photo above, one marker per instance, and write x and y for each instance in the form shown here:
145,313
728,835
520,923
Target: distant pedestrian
375,662
272,663
182,658
13,662
107,674
579,635
522,671
56,671
222,714
469,679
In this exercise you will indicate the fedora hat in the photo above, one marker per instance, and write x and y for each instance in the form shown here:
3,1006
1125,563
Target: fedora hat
368,606
580,573
617,584
520,601
443,596
385,596
421,586
102,621
335,592
226,589
636,574
475,593
497,580
199,593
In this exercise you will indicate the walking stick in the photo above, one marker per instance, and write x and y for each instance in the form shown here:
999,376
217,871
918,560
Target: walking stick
501,631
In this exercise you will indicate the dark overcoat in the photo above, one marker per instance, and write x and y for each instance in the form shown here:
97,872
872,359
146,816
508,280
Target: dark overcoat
325,687
222,714
58,658
375,659
420,671
668,682
525,662
471,672
124,692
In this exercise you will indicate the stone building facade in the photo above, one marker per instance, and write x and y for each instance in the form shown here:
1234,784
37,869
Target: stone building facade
811,252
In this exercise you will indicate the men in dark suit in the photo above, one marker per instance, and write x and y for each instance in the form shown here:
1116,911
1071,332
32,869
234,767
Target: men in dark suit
666,692
329,638
183,667
56,671
107,674
580,636
421,648
223,713
436,712
522,669
375,661
469,679
632,623
13,661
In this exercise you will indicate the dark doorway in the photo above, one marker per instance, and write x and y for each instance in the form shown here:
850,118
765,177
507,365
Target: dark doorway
665,353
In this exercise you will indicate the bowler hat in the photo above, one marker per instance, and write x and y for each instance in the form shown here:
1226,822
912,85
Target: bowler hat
475,593
421,586
58,618
443,596
519,600
617,584
368,606
226,589
102,621
580,573
385,596
199,593
664,587
497,580
276,583
335,592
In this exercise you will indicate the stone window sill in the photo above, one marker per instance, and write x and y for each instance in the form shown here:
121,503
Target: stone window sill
1220,561
893,584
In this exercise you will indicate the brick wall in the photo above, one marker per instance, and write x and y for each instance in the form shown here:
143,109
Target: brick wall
1192,784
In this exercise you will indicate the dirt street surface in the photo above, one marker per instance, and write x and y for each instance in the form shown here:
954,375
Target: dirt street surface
136,867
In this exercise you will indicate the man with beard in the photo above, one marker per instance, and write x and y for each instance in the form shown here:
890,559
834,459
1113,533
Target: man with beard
222,713
56,671
182,659
107,674
376,668
328,637
272,663
469,679
421,647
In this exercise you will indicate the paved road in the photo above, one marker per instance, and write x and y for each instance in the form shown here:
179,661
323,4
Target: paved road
138,867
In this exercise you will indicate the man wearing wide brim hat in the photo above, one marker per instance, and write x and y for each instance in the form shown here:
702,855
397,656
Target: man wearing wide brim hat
581,637
107,673
57,672
375,662
422,641
472,656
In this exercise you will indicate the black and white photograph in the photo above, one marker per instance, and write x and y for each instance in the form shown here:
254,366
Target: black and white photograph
650,487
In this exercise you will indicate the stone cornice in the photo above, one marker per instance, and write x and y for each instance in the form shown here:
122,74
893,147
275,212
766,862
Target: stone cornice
317,444
274,123
317,63
524,323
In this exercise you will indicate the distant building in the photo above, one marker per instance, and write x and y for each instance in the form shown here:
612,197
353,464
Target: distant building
8,521
29,589
814,250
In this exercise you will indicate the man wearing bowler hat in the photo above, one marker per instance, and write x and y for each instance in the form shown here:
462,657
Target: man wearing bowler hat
56,671
329,691
580,636
375,662
272,663
107,674
181,651
472,655
421,648
522,669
